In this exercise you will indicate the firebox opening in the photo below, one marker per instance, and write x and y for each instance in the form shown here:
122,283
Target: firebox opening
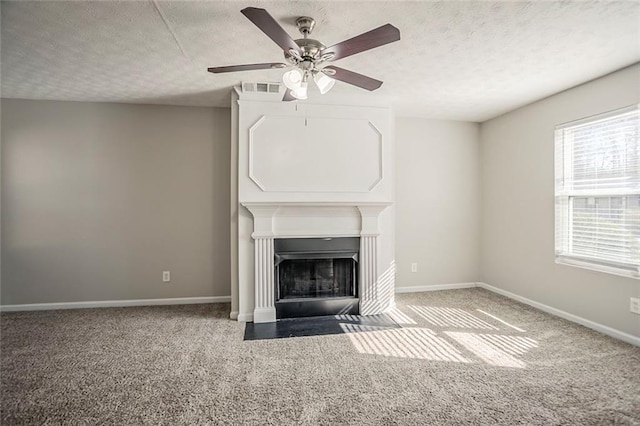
316,276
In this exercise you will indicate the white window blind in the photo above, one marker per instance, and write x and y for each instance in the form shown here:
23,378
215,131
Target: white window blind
597,191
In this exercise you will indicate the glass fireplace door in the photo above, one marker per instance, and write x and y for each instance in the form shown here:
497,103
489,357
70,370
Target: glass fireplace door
316,278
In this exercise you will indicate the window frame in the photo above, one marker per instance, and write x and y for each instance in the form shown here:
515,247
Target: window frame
563,161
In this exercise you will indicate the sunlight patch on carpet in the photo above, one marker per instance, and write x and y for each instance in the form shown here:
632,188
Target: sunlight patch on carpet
400,317
451,317
419,343
502,321
495,349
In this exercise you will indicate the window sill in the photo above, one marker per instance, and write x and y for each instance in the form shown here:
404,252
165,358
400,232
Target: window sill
592,266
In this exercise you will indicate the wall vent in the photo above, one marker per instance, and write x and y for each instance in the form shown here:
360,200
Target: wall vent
261,87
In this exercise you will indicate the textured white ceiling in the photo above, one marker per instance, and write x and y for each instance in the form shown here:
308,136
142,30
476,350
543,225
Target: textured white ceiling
456,60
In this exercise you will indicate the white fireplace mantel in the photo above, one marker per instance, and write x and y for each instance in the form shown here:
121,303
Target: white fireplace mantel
300,219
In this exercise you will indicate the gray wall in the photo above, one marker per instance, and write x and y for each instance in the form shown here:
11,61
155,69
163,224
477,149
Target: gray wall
437,202
517,152
99,199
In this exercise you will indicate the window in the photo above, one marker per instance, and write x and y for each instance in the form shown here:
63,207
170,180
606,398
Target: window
598,192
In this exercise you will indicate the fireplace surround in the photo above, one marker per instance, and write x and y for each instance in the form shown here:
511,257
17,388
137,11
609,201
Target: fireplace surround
310,171
272,220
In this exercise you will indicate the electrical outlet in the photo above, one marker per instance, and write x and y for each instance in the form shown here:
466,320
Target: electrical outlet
166,276
635,305
414,267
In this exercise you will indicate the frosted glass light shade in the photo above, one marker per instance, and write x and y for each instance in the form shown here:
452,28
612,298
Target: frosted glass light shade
300,92
292,79
324,82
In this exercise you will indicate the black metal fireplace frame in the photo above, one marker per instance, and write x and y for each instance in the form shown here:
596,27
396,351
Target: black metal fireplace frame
314,249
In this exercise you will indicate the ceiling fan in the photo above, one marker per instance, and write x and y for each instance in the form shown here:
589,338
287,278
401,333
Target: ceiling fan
307,55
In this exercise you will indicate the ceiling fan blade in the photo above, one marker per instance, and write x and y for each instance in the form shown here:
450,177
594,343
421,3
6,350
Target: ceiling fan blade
248,67
271,28
354,78
366,41
287,96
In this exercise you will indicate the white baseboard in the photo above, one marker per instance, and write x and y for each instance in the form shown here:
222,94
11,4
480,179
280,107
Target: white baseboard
245,317
420,288
233,315
114,303
617,334
621,335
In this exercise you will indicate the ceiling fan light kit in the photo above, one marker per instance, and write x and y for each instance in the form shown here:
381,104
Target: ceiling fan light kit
292,79
307,56
307,63
324,82
300,92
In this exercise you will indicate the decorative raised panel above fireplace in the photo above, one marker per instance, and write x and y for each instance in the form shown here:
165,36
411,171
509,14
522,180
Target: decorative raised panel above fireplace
308,152
309,171
317,154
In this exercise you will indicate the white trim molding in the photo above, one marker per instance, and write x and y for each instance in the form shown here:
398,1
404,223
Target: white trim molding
114,303
281,141
609,331
264,310
594,266
369,300
420,288
245,317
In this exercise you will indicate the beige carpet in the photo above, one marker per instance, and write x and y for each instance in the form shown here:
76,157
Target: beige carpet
462,357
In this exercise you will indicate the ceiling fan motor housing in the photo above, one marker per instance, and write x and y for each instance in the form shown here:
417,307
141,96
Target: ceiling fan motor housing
309,47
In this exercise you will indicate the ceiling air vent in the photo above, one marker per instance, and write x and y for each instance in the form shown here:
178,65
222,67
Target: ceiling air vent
261,87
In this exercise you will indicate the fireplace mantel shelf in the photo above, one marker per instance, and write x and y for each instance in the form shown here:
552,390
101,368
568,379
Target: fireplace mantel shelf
250,204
